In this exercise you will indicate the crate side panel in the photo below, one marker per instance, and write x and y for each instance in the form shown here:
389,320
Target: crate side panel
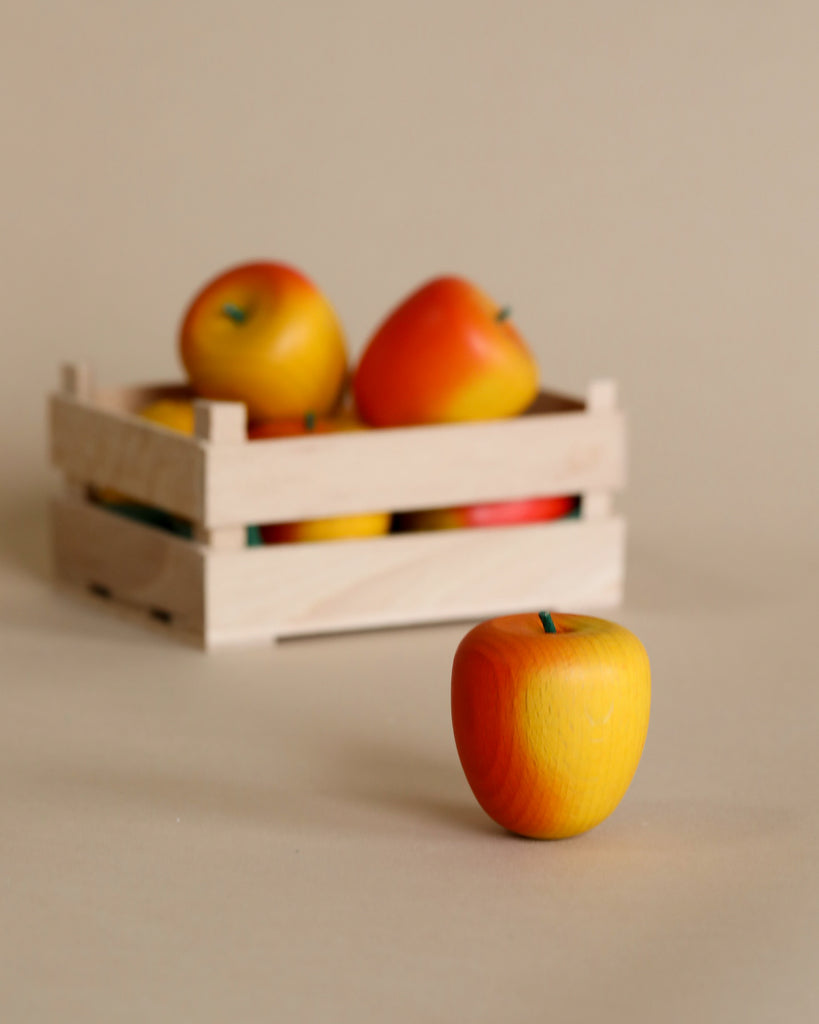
144,461
413,468
135,565
297,589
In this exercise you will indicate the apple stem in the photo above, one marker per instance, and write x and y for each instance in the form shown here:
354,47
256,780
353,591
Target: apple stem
309,421
237,315
548,624
503,314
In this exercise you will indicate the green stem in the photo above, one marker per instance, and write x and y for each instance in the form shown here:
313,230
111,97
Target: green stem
309,421
548,625
237,315
503,314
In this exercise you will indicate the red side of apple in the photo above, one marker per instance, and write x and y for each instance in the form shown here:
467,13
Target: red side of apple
447,353
500,513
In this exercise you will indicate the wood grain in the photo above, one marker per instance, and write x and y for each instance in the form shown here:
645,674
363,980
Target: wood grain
136,567
414,468
296,589
147,462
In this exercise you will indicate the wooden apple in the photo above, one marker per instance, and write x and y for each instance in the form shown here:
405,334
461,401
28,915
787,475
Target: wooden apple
263,334
497,513
447,353
550,715
365,524
173,413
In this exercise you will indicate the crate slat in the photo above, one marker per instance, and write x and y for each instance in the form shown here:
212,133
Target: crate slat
135,566
138,458
299,589
414,468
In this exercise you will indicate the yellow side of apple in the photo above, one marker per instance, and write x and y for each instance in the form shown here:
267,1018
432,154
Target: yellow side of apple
550,726
173,413
368,524
264,334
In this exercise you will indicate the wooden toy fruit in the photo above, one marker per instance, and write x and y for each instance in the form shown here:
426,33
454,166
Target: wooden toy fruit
447,353
173,413
498,513
263,334
550,714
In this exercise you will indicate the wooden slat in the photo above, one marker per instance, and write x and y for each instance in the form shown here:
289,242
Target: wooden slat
297,589
135,566
147,462
413,468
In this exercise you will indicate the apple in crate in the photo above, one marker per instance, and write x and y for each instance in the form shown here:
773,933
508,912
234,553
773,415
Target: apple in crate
447,353
365,524
550,715
496,513
265,335
173,413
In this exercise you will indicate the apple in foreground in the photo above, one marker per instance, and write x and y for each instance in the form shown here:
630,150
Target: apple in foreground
265,335
447,353
550,715
496,513
365,524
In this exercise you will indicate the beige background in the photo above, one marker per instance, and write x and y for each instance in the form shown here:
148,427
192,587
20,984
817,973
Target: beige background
286,834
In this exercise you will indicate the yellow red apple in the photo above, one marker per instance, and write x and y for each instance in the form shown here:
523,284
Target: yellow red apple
265,335
447,353
365,524
173,413
497,513
550,715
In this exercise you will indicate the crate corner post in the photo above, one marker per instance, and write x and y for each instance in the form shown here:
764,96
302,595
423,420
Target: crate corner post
76,381
219,423
601,400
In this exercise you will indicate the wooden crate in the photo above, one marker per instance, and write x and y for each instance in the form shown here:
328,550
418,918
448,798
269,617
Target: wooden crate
214,590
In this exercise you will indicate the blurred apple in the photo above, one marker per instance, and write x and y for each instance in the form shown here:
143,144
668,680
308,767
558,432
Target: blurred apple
448,352
173,413
265,335
498,513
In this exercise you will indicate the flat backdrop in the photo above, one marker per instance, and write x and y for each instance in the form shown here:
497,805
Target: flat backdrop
287,833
